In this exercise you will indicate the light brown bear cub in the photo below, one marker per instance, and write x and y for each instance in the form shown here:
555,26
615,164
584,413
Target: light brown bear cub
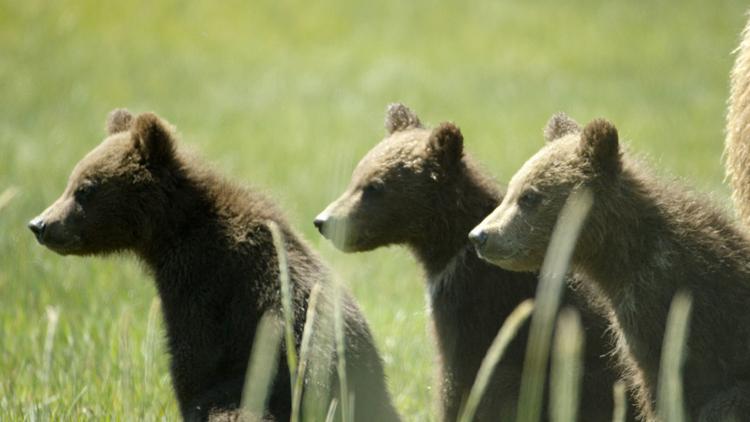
737,146
419,189
208,245
643,241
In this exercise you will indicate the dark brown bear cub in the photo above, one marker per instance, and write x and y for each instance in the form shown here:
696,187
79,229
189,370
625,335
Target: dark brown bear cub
417,188
643,241
209,247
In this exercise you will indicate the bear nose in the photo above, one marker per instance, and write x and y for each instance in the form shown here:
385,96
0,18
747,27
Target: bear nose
37,226
478,237
319,222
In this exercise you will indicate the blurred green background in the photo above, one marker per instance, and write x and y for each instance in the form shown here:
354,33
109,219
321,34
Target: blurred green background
287,96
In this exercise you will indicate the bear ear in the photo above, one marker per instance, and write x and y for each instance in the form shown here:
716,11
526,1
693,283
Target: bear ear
447,143
600,144
153,138
399,117
118,120
559,125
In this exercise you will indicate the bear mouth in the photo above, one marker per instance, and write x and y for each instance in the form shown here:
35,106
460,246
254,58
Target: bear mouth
346,244
519,262
349,243
503,260
69,247
339,233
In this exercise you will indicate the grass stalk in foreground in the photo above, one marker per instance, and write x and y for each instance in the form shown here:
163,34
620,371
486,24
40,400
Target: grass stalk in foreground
332,410
124,357
7,196
346,401
74,402
149,343
567,367
304,352
318,355
669,403
551,283
286,300
504,336
621,401
262,366
53,317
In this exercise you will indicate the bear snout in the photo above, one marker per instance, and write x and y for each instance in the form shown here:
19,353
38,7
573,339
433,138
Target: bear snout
37,226
478,237
319,222
55,234
491,246
336,229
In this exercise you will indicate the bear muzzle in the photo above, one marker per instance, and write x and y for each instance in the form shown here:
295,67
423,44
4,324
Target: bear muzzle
337,230
491,247
320,222
55,236
37,226
478,237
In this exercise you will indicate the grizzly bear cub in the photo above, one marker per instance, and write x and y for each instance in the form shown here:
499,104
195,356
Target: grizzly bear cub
208,244
737,145
643,241
417,188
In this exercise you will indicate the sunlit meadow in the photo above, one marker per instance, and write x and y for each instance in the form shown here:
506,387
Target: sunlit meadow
287,96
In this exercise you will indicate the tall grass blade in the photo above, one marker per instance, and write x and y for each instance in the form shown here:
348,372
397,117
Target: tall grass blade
506,333
149,343
75,401
669,403
332,410
262,367
552,275
7,196
304,351
320,372
286,300
338,327
124,358
620,400
566,367
53,317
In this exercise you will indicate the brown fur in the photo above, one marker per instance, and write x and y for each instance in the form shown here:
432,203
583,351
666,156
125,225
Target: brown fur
207,243
737,146
643,241
417,188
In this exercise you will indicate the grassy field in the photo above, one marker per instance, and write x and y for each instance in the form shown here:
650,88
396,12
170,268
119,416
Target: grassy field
287,97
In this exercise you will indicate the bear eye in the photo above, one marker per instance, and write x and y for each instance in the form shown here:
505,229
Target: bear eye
84,191
529,199
372,189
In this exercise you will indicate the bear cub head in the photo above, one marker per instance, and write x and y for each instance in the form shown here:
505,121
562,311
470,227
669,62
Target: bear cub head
396,186
114,194
516,234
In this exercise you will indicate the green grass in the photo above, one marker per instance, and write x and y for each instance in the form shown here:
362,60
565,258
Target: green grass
287,97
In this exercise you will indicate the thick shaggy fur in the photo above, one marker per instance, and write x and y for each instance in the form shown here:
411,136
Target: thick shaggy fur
737,147
643,241
208,245
417,188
